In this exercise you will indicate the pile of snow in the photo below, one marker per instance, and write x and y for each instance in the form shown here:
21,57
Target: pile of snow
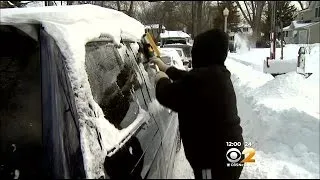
72,27
255,57
280,108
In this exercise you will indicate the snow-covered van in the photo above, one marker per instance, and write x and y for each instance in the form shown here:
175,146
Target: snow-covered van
174,37
78,99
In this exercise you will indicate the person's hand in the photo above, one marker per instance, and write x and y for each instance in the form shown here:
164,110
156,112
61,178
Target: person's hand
160,75
161,65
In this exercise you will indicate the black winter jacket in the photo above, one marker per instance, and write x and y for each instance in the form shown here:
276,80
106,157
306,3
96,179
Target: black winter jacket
206,104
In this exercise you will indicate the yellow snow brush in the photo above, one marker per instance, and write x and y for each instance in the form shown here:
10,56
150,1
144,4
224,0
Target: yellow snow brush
150,47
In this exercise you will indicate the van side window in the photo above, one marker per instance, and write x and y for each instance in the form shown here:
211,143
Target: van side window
113,83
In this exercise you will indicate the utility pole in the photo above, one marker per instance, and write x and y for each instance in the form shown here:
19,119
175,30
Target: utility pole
281,26
273,31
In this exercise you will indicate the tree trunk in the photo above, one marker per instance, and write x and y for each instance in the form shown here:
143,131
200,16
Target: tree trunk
50,3
301,5
247,17
256,24
193,19
70,2
130,12
199,16
118,6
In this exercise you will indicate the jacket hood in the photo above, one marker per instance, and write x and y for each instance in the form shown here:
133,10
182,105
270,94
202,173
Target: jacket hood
210,48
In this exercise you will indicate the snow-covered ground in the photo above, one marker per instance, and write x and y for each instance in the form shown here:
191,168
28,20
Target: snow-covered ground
279,115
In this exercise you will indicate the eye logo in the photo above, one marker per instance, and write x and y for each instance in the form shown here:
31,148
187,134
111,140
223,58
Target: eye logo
233,155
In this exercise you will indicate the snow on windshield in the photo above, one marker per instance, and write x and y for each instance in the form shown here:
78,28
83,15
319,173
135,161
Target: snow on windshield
175,57
72,27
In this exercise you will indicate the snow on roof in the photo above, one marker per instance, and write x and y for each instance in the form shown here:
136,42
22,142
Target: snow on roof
90,19
72,27
154,26
177,34
299,25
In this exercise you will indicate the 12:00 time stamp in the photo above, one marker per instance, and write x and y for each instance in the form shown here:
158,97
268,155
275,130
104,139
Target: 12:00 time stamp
238,144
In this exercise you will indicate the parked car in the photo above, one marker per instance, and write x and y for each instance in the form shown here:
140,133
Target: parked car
171,57
186,50
184,59
75,101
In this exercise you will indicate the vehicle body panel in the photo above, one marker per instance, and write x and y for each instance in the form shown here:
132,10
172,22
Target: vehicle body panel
144,155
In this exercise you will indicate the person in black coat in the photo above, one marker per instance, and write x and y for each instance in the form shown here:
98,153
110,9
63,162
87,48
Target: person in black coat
206,104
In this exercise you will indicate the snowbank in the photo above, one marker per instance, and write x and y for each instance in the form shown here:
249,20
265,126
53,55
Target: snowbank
284,124
72,27
256,56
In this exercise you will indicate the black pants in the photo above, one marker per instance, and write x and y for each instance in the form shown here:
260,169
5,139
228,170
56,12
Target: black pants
215,173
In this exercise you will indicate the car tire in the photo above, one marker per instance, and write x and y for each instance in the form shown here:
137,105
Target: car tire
178,142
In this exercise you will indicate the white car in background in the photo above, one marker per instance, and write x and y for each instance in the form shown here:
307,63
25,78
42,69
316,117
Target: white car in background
171,57
184,58
187,59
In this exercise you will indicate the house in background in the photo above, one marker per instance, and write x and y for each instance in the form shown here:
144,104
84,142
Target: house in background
305,29
245,29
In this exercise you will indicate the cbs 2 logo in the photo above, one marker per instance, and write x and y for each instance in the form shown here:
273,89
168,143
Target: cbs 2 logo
234,155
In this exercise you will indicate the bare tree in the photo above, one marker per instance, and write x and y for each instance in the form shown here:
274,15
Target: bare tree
70,2
50,3
301,5
12,4
199,16
253,16
118,6
130,11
